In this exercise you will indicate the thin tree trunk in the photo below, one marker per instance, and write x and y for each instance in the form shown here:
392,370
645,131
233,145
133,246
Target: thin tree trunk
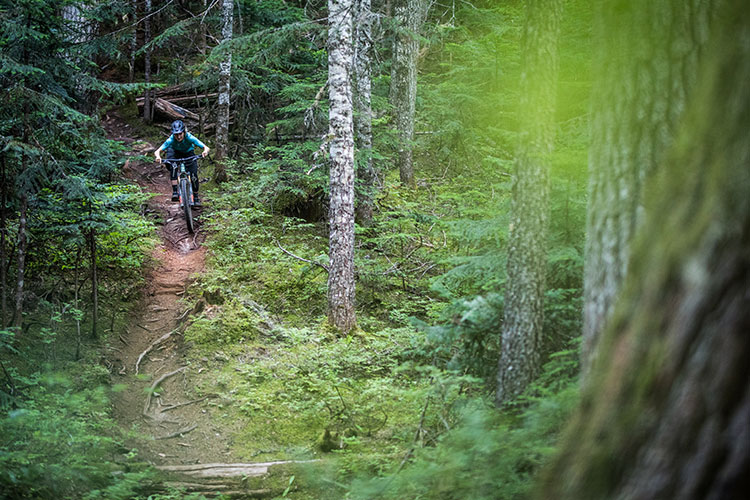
94,284
225,73
21,244
666,413
341,312
203,44
77,311
409,16
527,240
363,108
637,100
147,104
3,255
133,42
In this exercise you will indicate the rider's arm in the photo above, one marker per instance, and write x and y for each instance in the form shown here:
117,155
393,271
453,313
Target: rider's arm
161,148
197,142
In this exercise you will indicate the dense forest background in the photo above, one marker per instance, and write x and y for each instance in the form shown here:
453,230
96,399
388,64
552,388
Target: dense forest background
454,249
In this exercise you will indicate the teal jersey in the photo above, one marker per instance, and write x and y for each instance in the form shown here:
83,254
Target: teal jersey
187,145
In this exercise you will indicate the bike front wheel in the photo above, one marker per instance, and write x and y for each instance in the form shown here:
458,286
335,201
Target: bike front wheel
185,201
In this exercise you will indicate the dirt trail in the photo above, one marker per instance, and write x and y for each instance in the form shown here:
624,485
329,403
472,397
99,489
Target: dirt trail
175,427
174,406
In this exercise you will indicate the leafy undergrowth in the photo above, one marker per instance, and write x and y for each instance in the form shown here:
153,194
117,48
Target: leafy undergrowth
392,409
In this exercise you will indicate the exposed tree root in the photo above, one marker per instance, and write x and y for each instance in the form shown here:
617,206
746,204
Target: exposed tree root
179,433
179,405
155,385
148,349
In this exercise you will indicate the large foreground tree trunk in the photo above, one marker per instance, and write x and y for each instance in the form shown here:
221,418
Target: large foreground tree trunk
527,241
341,131
646,58
666,413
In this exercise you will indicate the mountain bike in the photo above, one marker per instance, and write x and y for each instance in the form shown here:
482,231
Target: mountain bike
185,187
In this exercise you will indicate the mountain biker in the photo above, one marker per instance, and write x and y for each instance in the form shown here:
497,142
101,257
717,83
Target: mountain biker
181,144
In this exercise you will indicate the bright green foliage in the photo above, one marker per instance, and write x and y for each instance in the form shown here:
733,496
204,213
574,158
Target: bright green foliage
488,455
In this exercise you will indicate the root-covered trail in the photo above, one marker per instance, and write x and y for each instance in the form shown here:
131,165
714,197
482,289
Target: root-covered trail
173,424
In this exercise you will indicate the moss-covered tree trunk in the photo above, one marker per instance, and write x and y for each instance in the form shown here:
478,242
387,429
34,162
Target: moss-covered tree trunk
667,411
646,57
527,240
341,312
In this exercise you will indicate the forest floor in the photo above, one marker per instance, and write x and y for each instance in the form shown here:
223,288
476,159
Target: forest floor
171,424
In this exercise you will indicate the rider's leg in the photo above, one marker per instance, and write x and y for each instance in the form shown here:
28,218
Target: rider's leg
193,168
172,174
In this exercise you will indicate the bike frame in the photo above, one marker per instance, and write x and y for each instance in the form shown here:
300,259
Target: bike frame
185,187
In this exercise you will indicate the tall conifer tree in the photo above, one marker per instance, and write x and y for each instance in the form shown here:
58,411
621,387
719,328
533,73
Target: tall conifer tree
225,74
666,410
527,241
341,312
646,60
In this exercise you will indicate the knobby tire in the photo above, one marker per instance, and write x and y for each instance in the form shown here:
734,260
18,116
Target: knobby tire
185,195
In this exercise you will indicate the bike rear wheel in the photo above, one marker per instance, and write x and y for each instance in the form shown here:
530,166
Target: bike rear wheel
185,201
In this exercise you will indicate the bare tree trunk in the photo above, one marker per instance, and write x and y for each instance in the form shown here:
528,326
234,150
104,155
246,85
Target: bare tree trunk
225,73
632,127
409,17
3,231
666,412
94,284
203,44
148,113
133,42
75,305
21,244
363,108
527,240
341,312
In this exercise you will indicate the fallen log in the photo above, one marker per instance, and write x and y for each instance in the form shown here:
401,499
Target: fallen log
170,110
174,99
226,470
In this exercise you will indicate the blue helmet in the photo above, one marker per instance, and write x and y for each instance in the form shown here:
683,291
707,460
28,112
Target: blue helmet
178,126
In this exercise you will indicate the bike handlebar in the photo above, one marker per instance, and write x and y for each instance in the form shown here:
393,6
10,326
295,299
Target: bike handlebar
177,160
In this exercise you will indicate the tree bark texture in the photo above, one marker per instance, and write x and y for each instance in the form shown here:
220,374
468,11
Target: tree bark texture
3,254
133,42
527,240
94,284
645,65
341,312
225,73
409,16
666,413
147,111
363,107
21,244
